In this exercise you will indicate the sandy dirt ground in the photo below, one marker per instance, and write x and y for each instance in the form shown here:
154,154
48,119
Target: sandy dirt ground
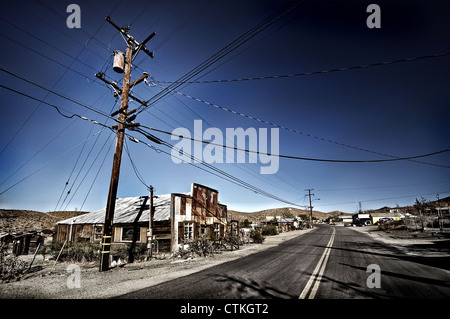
61,283
414,243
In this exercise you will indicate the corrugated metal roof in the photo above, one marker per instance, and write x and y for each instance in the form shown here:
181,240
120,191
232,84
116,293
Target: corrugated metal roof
128,209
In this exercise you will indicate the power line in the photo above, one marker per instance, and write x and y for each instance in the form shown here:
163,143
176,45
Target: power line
89,169
303,158
249,151
158,19
297,131
96,175
73,169
241,167
53,92
56,135
225,175
386,198
133,165
184,24
58,109
377,187
218,172
36,153
91,37
364,66
36,99
70,175
48,163
80,169
43,55
50,45
274,17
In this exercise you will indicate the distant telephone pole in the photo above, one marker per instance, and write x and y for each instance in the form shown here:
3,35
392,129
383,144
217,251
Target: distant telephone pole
123,124
310,205
440,217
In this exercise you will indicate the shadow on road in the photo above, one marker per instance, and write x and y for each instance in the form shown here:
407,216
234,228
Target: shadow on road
248,288
385,250
424,280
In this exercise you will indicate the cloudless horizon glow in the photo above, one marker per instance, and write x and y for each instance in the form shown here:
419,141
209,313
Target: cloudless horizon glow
400,109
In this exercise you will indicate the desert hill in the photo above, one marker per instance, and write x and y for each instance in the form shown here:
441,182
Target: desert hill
285,212
19,221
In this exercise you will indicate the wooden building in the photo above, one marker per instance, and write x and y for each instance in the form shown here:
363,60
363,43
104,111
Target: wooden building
22,243
175,217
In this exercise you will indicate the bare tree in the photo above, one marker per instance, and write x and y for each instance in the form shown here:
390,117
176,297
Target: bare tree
421,204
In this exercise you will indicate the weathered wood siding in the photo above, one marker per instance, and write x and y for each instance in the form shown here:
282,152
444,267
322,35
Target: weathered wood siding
201,211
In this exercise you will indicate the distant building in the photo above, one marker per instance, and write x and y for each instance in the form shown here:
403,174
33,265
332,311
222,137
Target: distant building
287,224
375,216
361,219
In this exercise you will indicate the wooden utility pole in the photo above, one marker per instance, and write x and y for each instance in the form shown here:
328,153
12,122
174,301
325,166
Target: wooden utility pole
123,123
111,204
440,217
310,206
150,225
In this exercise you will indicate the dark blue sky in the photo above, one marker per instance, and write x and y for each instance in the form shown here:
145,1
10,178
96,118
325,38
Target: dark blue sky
400,109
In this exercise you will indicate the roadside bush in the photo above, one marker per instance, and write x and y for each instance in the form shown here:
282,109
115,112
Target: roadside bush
120,251
90,252
51,249
139,252
269,231
83,252
11,267
391,225
129,253
257,237
77,252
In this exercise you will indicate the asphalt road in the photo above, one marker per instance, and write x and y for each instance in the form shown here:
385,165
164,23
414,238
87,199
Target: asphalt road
326,263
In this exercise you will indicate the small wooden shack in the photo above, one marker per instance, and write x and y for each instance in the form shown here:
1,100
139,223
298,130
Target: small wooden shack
22,243
175,217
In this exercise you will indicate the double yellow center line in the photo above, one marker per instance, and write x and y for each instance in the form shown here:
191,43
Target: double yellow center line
314,281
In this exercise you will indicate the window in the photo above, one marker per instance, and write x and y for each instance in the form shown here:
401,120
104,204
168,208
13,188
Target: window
203,230
188,230
128,232
217,229
98,232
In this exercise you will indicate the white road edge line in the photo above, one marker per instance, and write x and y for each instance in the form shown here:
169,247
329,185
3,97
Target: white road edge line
317,274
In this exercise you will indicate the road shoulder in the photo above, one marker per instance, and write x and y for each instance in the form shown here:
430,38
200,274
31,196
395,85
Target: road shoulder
122,280
411,243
